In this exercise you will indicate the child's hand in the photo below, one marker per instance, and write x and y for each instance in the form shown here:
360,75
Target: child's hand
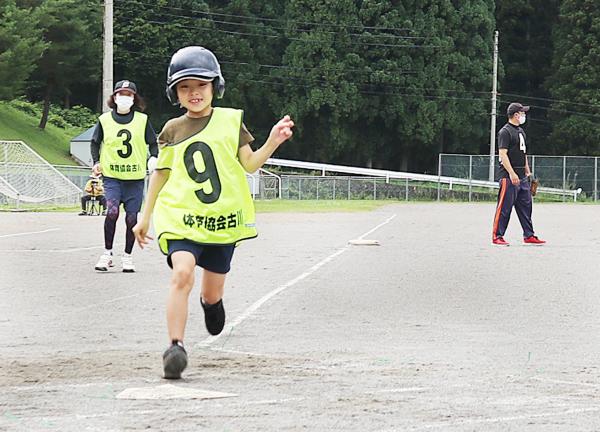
140,231
282,131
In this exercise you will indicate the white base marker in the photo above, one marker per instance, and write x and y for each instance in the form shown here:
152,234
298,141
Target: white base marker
364,242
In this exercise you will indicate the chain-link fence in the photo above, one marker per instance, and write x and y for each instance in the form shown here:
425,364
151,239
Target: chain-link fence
567,173
458,181
314,187
297,187
77,174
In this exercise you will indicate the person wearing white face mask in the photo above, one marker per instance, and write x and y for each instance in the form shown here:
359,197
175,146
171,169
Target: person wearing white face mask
121,141
515,188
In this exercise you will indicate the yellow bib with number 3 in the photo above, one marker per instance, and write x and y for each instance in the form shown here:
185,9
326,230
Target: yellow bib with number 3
206,199
123,151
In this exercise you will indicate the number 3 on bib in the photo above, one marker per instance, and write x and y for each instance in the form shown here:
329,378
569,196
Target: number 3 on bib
126,135
208,174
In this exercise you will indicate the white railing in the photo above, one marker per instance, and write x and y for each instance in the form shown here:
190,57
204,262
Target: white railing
387,174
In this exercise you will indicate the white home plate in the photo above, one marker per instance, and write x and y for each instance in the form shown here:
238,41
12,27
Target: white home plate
170,391
364,242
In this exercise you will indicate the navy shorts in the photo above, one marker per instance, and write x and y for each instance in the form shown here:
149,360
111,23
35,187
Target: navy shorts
214,258
128,192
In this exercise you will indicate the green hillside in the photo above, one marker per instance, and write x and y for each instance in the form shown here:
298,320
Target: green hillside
51,143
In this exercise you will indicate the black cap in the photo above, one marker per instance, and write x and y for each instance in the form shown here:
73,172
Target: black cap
516,107
125,85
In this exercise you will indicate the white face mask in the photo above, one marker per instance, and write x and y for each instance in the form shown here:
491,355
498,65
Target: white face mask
124,103
522,119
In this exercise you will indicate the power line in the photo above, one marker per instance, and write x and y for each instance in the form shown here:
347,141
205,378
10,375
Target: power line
276,67
345,70
280,36
357,83
360,27
562,111
551,100
261,26
360,91
419,91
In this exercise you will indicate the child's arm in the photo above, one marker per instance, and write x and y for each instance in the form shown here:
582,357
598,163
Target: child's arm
253,160
157,181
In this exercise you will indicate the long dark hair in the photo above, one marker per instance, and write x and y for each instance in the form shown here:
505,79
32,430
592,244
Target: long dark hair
139,104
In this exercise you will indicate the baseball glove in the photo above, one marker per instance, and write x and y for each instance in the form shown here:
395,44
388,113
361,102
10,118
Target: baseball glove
534,183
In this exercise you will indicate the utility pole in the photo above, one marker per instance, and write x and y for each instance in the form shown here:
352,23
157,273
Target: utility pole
494,100
107,61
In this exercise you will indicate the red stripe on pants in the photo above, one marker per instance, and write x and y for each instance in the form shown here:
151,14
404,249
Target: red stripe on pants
499,208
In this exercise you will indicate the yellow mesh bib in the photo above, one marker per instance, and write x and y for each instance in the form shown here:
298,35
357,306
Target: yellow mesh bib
206,199
123,152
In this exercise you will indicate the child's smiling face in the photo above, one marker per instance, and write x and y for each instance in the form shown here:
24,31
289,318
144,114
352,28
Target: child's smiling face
195,96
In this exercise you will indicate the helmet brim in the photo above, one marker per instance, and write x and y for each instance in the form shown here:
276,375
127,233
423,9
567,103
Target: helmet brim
197,74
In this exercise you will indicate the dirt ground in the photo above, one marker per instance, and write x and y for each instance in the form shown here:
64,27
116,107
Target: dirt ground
435,329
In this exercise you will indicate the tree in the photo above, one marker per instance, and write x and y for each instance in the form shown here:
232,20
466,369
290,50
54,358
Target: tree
383,83
20,47
319,79
434,86
72,30
575,83
526,50
146,34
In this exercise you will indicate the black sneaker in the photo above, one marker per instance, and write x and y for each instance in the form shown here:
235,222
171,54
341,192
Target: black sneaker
174,360
82,213
214,317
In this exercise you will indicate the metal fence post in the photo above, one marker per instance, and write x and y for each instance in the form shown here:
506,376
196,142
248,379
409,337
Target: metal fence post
533,164
349,187
406,188
470,176
564,176
334,188
317,189
375,189
439,176
596,179
300,188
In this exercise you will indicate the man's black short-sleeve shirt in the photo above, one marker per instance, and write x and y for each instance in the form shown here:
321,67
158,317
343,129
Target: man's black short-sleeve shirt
512,138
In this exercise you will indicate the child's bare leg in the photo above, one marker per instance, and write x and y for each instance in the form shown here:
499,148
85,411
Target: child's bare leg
212,286
182,282
211,299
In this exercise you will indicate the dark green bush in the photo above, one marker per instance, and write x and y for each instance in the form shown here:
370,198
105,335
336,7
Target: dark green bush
77,116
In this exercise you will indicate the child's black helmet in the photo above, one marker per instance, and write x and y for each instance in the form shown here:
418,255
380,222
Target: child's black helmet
194,62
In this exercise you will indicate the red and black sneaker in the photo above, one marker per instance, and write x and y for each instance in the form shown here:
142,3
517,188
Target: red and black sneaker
534,240
500,241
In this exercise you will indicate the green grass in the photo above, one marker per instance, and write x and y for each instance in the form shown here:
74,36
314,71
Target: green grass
312,206
303,206
38,209
51,143
262,206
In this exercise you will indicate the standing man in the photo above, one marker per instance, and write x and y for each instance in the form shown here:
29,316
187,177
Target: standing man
515,190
